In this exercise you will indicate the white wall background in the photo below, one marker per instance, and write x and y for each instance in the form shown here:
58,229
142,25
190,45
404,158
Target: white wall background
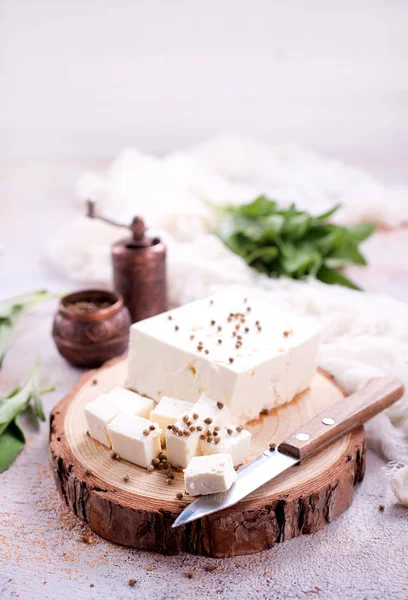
82,78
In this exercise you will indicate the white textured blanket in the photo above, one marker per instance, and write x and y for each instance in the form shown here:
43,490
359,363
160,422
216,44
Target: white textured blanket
364,334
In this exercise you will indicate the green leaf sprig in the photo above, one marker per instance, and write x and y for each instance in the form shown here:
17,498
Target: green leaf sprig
10,312
292,243
17,402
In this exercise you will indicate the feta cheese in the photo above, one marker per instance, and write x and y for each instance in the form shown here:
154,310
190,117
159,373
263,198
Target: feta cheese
209,474
228,441
131,402
207,408
182,440
100,412
237,351
168,411
133,439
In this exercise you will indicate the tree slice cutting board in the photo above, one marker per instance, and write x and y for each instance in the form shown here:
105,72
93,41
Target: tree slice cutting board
128,505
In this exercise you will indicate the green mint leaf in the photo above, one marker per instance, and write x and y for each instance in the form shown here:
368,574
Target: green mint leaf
260,207
349,252
361,231
329,213
335,278
12,442
296,226
267,254
290,242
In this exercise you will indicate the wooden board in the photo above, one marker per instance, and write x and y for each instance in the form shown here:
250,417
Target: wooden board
139,512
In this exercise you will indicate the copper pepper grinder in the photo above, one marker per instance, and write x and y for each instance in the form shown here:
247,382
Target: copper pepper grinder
139,268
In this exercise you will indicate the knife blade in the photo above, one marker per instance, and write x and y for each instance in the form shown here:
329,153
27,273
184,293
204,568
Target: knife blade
249,478
321,431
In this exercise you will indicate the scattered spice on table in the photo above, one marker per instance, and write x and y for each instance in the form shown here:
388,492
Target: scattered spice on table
210,568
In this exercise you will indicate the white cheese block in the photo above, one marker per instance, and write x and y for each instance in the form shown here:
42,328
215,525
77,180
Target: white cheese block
209,474
182,440
127,434
236,444
100,412
238,351
168,411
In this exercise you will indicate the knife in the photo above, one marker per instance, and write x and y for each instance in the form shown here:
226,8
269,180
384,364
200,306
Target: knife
322,430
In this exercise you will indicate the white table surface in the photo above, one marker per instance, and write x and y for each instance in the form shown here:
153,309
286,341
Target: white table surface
361,555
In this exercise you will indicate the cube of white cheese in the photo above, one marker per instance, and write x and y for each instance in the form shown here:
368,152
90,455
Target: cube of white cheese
239,351
131,402
209,474
207,408
182,440
168,411
135,439
227,441
100,412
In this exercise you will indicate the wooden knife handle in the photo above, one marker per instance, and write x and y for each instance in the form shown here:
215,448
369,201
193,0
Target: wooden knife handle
356,409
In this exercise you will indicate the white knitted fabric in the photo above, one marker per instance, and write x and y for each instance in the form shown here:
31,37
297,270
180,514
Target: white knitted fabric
363,334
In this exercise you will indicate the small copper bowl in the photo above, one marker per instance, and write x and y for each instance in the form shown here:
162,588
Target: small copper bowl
88,339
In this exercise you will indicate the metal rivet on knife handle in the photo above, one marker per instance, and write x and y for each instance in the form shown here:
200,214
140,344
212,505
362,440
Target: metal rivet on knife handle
353,411
302,437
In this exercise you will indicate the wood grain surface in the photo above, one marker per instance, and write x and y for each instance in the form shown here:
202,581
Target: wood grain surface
128,505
